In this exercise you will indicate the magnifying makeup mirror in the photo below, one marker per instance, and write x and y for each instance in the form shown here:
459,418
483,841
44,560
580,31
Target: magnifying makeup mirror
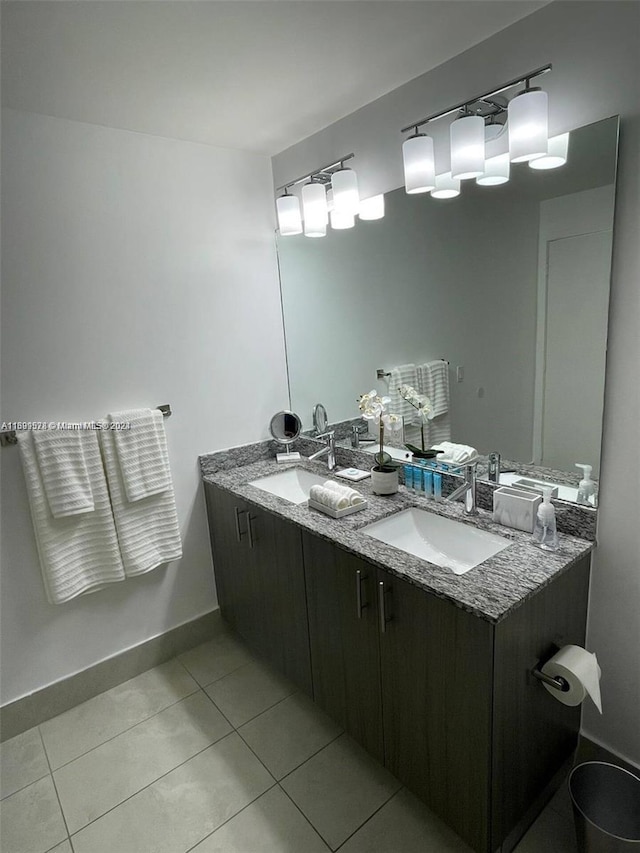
285,428
319,418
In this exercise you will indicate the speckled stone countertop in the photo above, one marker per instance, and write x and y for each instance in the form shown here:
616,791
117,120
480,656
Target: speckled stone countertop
490,591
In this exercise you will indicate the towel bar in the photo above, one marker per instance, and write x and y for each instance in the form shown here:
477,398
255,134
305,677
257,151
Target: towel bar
381,373
9,437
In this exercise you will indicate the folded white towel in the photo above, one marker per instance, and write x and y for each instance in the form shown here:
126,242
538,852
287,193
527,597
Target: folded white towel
354,497
405,374
454,453
148,530
327,497
78,553
433,380
64,472
145,470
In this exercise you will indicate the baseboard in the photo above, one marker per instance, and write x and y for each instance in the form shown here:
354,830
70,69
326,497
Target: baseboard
16,717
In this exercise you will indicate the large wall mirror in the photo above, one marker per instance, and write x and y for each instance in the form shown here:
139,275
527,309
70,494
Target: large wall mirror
509,283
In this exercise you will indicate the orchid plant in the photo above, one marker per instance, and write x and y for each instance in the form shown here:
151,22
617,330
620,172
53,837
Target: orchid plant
425,413
375,408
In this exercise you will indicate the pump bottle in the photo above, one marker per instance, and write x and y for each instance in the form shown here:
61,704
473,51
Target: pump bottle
586,488
545,534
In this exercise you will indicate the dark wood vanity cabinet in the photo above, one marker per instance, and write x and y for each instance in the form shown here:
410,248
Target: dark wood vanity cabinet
260,582
444,698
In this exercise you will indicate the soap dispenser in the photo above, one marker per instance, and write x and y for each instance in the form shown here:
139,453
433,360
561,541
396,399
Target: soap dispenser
587,487
545,534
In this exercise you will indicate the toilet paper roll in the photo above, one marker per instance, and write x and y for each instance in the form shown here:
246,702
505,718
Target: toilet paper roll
580,670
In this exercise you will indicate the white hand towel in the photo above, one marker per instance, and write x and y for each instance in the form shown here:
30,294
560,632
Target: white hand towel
405,374
145,470
456,454
354,497
327,497
433,380
64,472
148,530
78,553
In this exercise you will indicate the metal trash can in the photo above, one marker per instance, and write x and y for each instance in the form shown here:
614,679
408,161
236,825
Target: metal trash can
606,808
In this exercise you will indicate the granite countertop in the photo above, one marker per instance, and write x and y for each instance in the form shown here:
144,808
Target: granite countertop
490,591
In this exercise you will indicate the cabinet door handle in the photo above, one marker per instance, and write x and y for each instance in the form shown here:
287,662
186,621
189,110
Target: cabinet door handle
238,513
359,605
250,519
381,606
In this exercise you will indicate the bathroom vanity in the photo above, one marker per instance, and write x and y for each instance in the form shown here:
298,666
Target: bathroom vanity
428,670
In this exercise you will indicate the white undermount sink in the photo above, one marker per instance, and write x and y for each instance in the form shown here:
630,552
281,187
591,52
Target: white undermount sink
443,541
293,484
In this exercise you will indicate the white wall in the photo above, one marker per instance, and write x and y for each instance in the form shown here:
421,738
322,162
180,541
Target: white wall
594,48
137,270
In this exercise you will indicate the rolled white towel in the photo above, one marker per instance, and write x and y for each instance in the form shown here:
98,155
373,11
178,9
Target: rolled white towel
457,454
353,496
329,498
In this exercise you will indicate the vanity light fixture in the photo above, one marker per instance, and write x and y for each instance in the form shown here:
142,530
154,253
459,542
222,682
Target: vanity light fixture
372,208
556,155
289,216
528,124
317,192
314,208
419,163
496,171
346,199
446,186
478,121
467,146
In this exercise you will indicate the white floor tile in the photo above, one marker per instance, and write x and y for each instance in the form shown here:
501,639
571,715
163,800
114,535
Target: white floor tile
100,779
93,722
215,658
339,789
22,761
270,825
31,820
248,692
288,733
405,824
551,833
183,807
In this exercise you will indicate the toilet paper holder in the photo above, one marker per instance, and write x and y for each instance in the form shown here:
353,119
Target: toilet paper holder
555,681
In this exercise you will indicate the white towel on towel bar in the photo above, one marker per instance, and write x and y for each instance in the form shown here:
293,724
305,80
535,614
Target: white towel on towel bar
64,473
404,374
78,553
433,380
145,469
148,530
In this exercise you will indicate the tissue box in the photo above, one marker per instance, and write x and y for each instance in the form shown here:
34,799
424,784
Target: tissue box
516,508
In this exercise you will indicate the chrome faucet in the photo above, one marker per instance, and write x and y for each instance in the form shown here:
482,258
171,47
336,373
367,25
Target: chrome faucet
329,450
468,488
360,435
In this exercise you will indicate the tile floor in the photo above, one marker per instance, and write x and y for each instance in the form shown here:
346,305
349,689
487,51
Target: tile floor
214,753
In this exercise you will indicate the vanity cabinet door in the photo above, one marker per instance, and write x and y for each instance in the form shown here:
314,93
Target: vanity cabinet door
259,574
237,583
343,632
436,663
276,549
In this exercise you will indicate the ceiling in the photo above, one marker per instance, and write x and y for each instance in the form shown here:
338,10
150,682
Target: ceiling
258,76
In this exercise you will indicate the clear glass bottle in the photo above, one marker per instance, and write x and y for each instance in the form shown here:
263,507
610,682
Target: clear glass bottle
545,534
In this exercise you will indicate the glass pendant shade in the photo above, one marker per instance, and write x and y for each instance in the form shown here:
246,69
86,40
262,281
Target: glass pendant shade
446,186
340,221
528,126
314,208
289,217
372,208
346,198
419,164
496,171
467,147
556,155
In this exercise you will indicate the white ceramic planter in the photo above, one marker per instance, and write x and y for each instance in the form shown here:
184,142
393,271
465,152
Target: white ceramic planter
384,482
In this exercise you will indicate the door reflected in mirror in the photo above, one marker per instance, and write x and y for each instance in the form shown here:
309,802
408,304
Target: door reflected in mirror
509,283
